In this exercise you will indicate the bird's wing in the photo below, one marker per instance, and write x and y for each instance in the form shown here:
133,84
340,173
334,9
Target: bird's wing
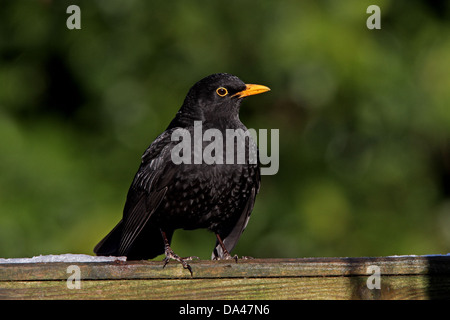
147,190
232,238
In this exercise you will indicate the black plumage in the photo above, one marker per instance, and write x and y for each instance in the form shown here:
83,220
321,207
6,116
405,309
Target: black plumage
165,196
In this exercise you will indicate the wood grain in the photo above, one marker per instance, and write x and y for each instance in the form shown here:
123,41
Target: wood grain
411,277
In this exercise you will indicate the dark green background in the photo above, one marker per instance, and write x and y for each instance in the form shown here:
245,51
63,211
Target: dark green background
364,119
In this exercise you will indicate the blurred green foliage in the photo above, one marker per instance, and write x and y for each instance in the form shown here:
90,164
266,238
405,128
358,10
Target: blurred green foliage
364,119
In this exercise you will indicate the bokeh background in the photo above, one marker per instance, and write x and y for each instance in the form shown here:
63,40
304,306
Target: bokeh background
363,117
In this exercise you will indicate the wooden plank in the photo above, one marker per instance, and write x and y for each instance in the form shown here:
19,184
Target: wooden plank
336,288
303,267
410,277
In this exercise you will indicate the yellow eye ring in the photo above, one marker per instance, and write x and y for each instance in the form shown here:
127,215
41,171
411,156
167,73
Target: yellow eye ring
222,91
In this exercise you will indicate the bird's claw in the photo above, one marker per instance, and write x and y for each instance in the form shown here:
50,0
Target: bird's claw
227,256
191,258
170,255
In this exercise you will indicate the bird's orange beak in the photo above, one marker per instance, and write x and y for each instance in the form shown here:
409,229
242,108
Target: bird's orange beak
251,89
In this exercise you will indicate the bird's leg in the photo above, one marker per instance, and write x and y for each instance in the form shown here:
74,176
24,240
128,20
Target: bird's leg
226,254
172,255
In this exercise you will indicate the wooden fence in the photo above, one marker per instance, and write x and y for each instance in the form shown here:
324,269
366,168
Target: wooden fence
403,277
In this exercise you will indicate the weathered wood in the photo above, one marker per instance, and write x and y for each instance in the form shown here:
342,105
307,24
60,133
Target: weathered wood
409,277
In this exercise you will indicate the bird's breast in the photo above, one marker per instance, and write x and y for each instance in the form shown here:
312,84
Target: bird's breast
205,196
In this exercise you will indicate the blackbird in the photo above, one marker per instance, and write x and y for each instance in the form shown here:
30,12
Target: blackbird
166,195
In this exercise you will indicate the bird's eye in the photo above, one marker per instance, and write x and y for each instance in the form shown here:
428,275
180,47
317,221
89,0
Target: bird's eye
222,91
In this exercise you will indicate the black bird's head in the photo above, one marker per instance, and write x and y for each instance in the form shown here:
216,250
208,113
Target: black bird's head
216,96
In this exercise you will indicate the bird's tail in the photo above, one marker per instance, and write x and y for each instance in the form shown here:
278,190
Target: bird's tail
147,245
109,246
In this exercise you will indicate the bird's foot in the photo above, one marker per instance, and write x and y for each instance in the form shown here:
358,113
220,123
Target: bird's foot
170,255
227,256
